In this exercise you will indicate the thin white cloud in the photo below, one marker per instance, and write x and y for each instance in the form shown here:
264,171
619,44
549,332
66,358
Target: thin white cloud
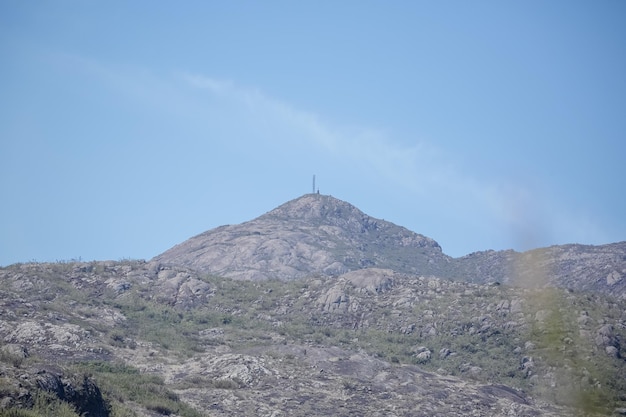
422,168
416,167
526,213
271,110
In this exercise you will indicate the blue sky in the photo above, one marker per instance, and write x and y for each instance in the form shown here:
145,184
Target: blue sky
127,127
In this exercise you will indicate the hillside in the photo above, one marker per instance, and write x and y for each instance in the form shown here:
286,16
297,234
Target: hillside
145,339
315,309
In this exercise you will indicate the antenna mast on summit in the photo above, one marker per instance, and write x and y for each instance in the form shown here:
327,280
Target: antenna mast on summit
313,183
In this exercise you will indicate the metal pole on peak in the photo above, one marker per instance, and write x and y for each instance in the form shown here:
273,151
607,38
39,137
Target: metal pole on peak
313,183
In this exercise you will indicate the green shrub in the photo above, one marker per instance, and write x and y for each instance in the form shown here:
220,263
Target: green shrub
13,359
45,405
121,383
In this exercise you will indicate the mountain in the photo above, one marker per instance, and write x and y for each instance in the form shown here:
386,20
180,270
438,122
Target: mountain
322,235
316,309
311,235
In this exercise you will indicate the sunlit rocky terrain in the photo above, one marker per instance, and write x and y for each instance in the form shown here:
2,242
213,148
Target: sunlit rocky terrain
315,308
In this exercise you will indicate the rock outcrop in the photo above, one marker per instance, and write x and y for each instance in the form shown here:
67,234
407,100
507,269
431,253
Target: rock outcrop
80,391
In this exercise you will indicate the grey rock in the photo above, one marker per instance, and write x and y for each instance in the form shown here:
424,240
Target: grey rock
313,234
605,336
613,278
371,280
444,353
423,357
334,300
612,351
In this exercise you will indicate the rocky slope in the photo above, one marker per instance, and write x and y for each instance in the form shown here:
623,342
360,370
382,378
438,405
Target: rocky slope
149,339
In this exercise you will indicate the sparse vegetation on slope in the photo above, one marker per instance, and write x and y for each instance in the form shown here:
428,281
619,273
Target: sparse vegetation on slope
163,340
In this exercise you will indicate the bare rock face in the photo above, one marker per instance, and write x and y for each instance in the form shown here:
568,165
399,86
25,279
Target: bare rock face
61,339
313,234
334,300
371,280
181,288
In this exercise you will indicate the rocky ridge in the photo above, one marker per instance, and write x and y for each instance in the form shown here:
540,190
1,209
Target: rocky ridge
577,267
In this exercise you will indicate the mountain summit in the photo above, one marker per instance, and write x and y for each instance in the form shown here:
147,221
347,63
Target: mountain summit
310,235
